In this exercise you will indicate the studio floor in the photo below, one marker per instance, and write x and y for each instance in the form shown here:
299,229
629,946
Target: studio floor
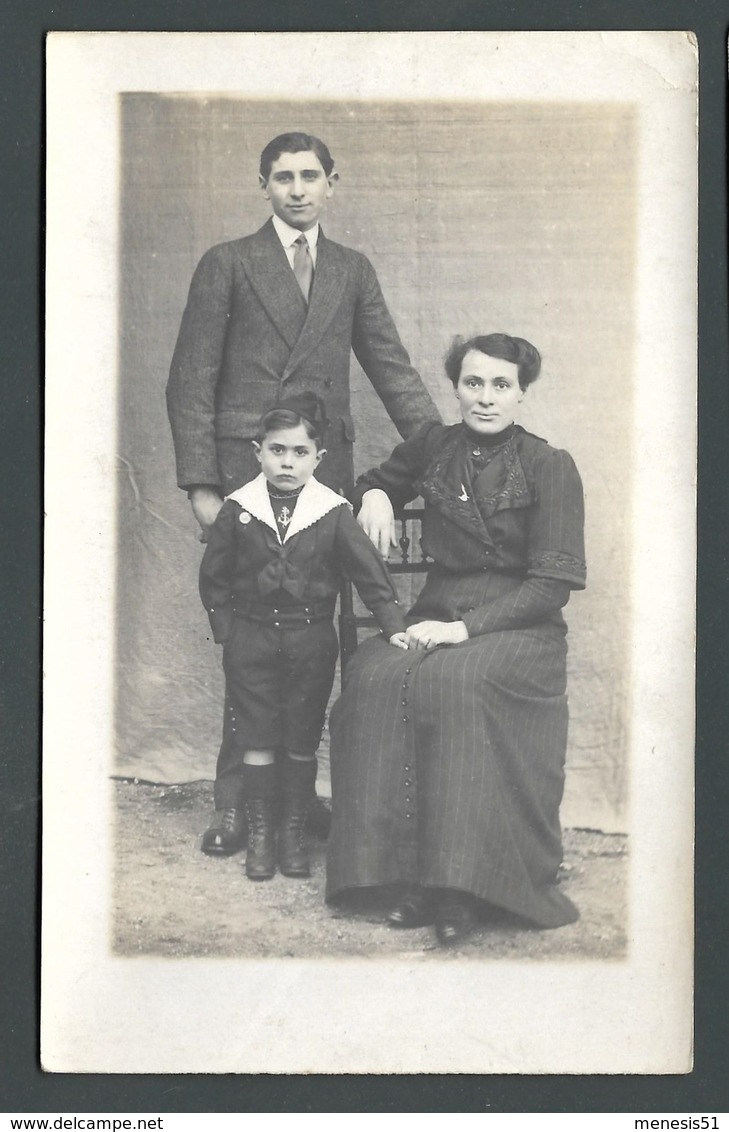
171,900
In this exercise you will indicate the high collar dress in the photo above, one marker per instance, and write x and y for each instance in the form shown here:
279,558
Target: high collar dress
448,765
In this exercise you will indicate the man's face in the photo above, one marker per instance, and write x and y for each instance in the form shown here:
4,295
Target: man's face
298,188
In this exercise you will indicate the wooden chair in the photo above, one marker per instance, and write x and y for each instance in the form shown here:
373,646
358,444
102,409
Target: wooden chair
412,561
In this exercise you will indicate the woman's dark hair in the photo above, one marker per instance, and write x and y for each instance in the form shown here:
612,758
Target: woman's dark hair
517,350
294,143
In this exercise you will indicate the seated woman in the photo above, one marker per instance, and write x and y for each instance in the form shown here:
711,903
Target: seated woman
448,759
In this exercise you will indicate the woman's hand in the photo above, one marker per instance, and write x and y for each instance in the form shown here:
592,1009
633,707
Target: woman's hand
377,520
429,634
398,640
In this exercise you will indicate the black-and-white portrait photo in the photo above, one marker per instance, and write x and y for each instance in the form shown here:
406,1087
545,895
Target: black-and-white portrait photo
372,359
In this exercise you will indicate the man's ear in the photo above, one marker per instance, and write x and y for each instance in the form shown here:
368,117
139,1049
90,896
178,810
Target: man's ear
263,185
332,180
257,450
320,456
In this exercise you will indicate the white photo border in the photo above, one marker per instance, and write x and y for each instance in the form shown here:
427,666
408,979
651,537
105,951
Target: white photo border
102,1013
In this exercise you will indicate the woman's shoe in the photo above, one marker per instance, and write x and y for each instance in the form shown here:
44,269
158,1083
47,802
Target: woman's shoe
413,909
455,919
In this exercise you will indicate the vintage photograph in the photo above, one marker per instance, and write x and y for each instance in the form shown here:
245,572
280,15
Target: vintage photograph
371,479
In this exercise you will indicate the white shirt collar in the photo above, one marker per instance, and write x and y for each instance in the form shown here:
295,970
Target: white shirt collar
315,501
288,235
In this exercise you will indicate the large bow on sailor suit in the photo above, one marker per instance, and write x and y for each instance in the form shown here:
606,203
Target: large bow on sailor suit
248,339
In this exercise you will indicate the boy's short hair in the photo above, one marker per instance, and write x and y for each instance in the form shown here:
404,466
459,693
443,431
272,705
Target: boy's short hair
295,142
305,409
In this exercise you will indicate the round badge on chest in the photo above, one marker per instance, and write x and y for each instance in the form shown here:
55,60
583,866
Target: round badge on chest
244,517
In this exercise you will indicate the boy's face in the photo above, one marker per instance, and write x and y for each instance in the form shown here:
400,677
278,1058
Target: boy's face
298,188
288,457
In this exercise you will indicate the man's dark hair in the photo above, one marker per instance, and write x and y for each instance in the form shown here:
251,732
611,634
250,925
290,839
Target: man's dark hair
294,143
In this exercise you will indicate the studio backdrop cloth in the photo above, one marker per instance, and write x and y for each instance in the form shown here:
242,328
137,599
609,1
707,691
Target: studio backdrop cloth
482,217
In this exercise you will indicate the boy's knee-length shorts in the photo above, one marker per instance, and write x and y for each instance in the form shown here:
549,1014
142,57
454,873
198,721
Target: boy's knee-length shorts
278,683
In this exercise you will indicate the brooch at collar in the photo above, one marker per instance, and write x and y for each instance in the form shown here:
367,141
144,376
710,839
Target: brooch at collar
244,517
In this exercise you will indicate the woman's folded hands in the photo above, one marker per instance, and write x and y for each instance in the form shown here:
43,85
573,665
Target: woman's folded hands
430,634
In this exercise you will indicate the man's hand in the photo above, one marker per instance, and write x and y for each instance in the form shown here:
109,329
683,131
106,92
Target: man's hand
428,634
377,520
205,503
398,640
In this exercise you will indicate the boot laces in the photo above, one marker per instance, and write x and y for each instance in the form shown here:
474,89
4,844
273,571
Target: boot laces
229,821
258,825
294,824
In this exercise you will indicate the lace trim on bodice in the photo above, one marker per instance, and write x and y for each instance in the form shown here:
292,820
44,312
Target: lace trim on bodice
514,490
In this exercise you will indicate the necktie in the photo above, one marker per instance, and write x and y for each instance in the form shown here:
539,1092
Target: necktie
303,267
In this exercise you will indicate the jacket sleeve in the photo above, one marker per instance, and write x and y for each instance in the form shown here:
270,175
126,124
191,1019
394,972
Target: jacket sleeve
195,370
378,349
528,604
364,566
556,553
556,538
397,476
216,572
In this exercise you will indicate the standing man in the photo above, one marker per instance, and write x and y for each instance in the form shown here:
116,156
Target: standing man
269,316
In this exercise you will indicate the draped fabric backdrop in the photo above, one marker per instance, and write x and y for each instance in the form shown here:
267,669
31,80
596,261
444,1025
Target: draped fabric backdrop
478,217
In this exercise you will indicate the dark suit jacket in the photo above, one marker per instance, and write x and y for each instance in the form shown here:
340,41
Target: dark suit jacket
248,339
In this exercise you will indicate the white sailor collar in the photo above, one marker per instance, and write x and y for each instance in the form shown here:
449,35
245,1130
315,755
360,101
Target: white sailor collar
315,500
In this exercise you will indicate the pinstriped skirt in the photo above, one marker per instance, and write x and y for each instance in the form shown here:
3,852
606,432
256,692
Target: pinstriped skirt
448,770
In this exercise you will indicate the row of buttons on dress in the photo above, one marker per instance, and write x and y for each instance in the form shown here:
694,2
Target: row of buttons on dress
406,719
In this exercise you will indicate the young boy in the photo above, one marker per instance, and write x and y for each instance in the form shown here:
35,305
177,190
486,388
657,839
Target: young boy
269,580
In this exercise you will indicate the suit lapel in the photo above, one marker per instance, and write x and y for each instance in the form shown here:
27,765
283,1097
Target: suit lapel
326,295
271,277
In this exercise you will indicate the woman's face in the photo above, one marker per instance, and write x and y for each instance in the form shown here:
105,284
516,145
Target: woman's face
488,391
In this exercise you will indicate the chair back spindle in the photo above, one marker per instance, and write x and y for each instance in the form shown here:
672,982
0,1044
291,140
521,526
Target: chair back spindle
409,522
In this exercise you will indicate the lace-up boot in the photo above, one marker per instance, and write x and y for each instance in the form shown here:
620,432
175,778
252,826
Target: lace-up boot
259,793
261,855
297,787
227,833
293,858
